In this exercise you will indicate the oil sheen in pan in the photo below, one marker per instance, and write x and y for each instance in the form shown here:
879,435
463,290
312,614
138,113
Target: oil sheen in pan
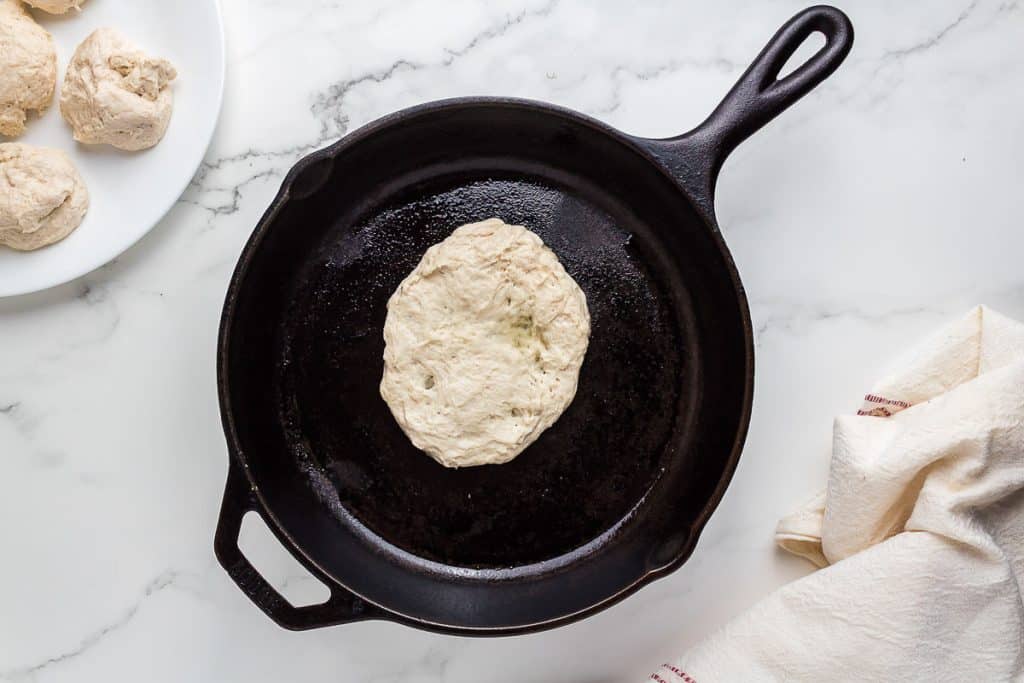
580,478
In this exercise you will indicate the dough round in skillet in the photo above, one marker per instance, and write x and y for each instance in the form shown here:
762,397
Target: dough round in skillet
484,344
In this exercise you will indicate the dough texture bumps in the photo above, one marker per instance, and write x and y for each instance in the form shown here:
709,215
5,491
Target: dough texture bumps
55,6
28,67
42,196
115,94
484,344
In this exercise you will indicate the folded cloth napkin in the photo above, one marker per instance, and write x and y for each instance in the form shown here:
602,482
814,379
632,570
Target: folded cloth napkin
920,533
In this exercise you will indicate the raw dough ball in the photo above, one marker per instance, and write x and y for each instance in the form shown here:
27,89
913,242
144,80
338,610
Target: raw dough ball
42,197
484,343
55,6
28,67
115,94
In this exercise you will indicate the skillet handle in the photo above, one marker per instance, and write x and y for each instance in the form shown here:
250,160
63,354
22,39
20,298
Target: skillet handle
342,607
757,98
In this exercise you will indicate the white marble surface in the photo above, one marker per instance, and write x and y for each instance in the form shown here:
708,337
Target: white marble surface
885,203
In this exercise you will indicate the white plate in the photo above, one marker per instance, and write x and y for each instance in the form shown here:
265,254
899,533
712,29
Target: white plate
129,191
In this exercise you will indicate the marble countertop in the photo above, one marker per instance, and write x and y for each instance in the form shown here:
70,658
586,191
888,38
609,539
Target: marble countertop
883,204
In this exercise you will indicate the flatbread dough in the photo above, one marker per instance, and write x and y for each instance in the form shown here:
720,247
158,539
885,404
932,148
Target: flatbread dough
28,67
42,196
484,343
115,94
56,6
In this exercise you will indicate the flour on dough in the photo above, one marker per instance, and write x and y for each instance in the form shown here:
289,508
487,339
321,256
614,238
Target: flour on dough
484,343
116,94
28,67
42,196
56,6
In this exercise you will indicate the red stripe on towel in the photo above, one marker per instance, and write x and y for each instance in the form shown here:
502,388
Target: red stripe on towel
683,676
871,398
876,412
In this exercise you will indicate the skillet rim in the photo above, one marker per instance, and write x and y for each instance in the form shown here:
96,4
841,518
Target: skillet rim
237,461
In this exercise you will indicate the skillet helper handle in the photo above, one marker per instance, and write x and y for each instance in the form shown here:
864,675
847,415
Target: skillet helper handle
341,607
758,97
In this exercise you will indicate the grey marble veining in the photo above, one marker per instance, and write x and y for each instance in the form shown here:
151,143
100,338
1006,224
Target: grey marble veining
885,203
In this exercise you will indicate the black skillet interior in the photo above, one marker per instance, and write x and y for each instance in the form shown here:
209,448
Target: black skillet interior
615,490
636,387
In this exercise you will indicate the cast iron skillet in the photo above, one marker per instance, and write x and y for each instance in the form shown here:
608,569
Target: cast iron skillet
616,493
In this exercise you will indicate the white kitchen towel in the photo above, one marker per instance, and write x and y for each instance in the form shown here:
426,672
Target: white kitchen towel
920,533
